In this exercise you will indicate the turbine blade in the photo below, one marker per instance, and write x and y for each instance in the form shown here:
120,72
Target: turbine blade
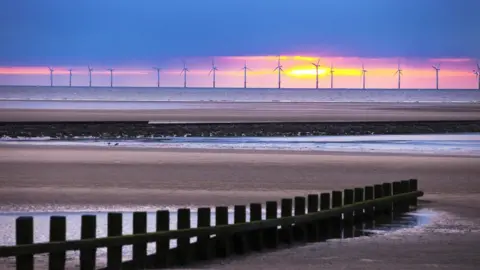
478,66
275,69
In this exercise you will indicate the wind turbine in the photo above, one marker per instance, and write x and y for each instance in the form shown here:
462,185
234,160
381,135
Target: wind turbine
245,68
280,70
158,75
51,75
213,70
316,65
184,71
477,73
364,73
331,75
70,78
399,72
111,76
90,69
437,69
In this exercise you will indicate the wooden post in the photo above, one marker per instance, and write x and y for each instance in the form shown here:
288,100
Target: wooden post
88,257
377,194
24,236
240,244
183,243
299,230
286,233
397,206
313,227
369,214
114,253
348,215
139,250
223,243
162,254
271,234
337,197
387,192
255,238
204,243
405,185
413,187
326,226
358,197
58,229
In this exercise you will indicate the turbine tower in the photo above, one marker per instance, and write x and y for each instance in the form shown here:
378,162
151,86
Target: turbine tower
316,65
184,71
70,78
399,72
213,70
111,76
51,75
437,69
158,75
331,75
245,68
280,70
364,73
477,73
90,69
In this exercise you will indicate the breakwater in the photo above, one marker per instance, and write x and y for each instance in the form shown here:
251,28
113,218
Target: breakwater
312,218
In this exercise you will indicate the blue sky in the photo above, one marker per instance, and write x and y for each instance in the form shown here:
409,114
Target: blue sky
120,32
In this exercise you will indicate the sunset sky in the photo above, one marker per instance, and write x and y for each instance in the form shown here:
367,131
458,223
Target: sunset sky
134,36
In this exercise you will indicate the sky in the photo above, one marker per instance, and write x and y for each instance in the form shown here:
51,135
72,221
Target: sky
133,36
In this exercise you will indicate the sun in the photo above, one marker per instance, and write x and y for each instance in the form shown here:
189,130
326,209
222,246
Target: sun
306,72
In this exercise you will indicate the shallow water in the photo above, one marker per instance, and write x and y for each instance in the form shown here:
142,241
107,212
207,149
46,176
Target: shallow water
439,144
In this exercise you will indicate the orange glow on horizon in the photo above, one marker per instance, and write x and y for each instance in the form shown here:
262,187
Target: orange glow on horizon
63,71
298,73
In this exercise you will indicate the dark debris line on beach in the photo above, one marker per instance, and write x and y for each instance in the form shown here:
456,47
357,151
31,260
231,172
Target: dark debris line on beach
66,130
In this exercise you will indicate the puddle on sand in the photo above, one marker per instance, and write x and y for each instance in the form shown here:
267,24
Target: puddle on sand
419,217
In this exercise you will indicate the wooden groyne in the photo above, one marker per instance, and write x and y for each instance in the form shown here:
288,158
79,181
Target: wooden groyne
316,217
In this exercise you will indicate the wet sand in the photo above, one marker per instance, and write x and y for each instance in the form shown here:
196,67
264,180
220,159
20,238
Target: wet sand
69,175
65,175
257,112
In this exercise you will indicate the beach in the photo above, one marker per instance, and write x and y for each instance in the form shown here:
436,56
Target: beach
74,176
67,175
61,176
